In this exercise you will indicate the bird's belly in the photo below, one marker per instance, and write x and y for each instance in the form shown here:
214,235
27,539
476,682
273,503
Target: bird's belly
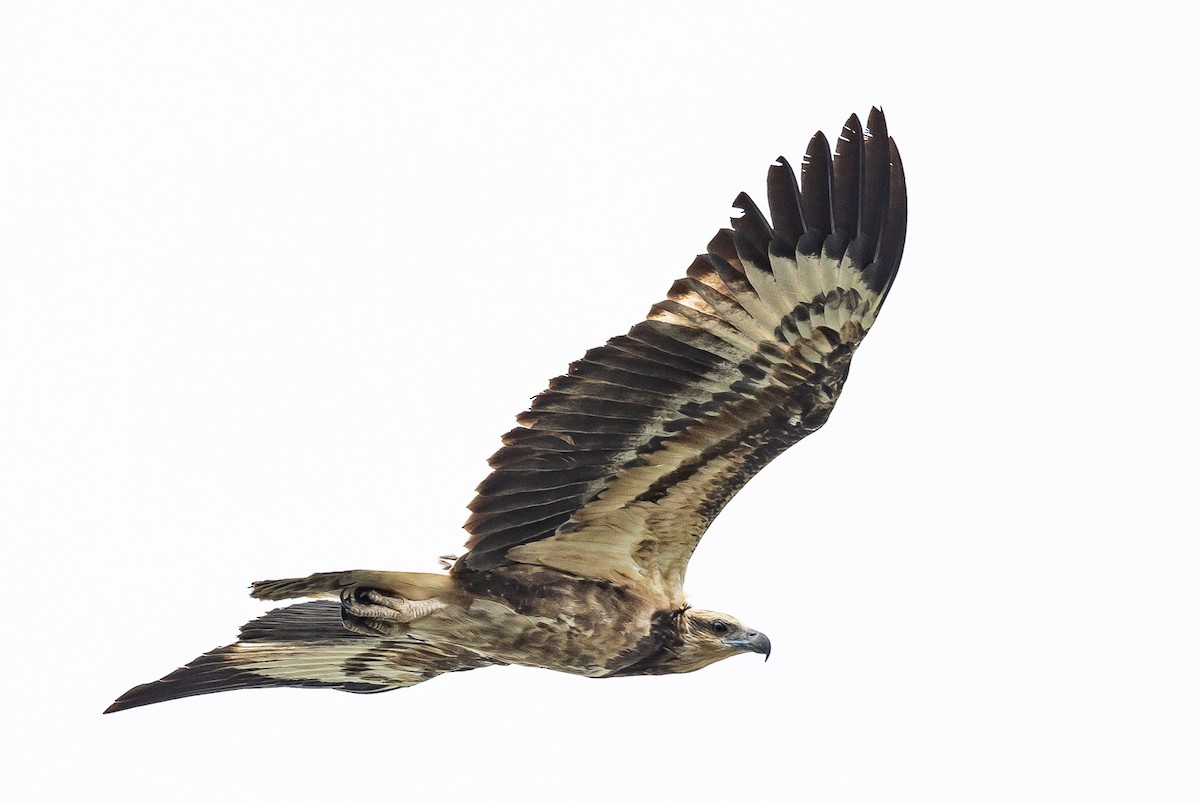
580,642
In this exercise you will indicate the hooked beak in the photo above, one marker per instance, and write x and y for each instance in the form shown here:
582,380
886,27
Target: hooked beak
753,642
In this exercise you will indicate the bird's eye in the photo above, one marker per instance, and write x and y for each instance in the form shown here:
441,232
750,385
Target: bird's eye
720,627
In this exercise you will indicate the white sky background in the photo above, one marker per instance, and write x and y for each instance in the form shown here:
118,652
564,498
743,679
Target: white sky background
275,278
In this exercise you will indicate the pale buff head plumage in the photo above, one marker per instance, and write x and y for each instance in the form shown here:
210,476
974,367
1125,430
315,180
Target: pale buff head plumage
707,637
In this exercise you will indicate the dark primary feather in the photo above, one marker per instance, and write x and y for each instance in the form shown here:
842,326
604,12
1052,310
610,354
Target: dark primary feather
745,356
816,193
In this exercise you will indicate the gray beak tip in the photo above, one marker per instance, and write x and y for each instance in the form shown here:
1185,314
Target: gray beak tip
762,644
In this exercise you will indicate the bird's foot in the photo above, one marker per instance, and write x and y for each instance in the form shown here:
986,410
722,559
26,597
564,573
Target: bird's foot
369,612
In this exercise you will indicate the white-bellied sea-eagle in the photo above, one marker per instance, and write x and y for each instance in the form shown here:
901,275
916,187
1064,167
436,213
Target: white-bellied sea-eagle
581,535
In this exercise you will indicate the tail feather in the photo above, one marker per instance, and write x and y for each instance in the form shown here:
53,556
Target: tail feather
330,584
306,646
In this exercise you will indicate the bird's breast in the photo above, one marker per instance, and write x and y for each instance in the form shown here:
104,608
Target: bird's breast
577,626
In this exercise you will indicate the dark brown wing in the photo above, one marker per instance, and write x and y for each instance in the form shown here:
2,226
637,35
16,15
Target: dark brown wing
619,467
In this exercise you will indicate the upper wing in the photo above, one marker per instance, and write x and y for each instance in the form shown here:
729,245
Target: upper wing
619,467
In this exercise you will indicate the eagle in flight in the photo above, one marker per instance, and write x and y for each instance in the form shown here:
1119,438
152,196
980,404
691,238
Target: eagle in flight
581,536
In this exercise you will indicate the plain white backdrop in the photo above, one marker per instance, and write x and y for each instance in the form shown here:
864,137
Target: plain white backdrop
275,277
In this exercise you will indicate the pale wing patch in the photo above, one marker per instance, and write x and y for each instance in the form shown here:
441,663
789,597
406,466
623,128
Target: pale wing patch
391,662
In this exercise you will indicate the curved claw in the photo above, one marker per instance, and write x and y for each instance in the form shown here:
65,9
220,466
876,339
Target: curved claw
369,612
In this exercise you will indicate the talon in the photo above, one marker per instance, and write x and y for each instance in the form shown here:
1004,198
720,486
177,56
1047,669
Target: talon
368,612
403,608
353,607
376,597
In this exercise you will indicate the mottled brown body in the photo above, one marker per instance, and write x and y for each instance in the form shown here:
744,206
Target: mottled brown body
580,626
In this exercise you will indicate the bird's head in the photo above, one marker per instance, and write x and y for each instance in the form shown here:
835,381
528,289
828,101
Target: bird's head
708,637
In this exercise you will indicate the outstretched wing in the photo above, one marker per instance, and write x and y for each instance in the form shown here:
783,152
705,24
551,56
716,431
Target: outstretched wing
306,646
618,468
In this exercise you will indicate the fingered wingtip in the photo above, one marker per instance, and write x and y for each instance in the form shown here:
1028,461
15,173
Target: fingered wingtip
134,697
116,707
